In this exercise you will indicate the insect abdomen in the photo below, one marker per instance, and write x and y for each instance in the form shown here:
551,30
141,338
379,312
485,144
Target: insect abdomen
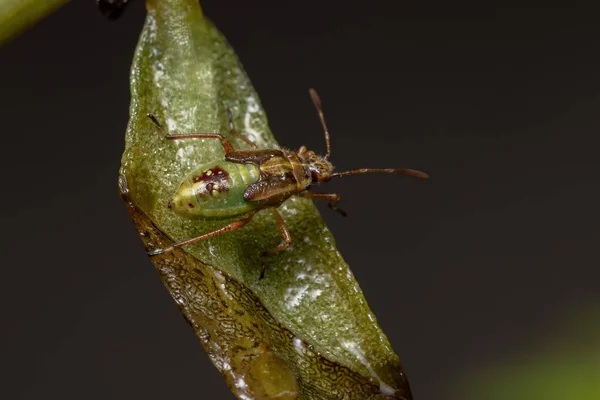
215,190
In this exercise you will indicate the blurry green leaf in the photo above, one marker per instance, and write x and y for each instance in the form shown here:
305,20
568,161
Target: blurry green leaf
18,15
304,331
562,365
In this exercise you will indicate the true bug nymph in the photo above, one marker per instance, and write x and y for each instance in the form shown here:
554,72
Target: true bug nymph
247,181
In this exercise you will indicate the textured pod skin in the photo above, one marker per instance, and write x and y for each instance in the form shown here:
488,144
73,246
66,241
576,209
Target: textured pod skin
215,191
239,333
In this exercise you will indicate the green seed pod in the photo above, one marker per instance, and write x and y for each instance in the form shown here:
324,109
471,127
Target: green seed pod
305,330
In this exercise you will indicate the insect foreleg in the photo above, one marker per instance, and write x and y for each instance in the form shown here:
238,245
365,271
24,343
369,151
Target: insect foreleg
228,228
286,237
332,197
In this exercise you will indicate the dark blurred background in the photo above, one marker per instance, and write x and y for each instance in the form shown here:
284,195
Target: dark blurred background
499,105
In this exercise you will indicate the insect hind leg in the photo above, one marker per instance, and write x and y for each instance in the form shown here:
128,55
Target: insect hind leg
234,226
227,146
156,123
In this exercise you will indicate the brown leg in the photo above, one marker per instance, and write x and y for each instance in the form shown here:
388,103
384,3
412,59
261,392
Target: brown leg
226,143
229,228
243,138
235,133
332,197
286,237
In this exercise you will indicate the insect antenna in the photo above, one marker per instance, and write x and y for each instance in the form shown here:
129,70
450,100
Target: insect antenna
403,171
317,102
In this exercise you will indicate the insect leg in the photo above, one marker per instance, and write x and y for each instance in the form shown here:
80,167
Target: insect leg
228,228
226,143
332,197
235,133
156,123
286,237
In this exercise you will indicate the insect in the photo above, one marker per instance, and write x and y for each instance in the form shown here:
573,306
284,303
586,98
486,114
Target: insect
245,182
